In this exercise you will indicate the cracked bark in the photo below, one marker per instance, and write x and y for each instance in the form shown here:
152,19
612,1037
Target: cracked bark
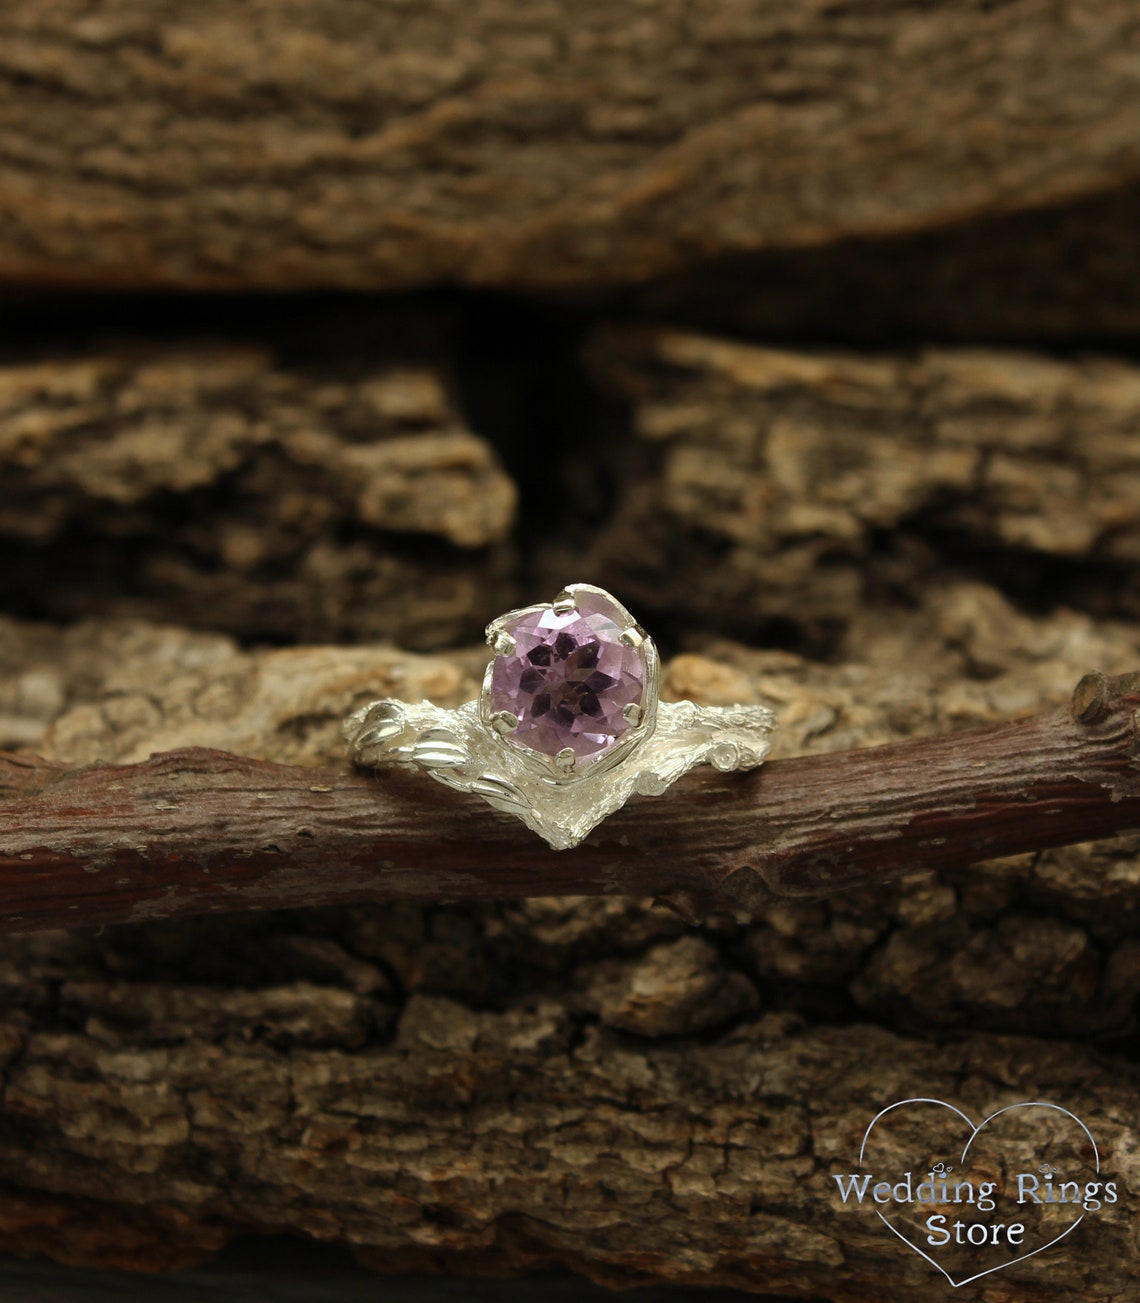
508,1136
477,145
580,1081
216,483
773,484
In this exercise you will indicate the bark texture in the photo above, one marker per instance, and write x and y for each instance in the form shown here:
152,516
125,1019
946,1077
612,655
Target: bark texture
560,1081
218,485
797,486
567,1122
305,144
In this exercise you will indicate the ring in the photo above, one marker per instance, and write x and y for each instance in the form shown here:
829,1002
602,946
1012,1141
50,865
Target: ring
568,724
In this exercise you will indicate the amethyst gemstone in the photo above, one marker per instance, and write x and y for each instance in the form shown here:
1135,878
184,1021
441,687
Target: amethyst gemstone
569,678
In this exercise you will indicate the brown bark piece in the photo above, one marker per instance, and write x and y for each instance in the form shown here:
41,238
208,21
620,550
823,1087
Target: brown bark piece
219,486
495,144
768,478
527,1134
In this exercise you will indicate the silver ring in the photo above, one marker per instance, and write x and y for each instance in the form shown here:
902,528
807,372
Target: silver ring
568,724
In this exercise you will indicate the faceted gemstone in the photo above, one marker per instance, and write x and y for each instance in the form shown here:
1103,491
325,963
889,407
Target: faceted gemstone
568,679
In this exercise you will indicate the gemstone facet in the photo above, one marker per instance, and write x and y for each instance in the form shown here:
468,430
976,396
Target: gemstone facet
569,677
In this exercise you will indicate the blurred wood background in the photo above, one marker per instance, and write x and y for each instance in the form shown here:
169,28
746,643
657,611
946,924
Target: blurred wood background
329,331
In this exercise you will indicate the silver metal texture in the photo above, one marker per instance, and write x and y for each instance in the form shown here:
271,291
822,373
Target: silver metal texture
559,797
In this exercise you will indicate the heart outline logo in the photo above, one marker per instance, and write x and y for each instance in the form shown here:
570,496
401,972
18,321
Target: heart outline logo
957,1284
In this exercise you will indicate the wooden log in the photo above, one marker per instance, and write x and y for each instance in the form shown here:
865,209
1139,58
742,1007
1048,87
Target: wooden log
220,486
792,486
310,144
144,1120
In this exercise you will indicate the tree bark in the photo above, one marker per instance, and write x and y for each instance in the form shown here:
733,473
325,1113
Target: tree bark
481,146
768,487
358,1010
218,485
538,1133
793,486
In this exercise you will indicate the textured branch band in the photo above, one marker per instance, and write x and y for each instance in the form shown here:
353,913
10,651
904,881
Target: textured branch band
457,750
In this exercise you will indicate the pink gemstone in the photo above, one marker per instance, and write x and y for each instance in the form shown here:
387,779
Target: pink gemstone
569,678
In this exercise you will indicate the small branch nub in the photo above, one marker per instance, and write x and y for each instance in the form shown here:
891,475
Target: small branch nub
1091,698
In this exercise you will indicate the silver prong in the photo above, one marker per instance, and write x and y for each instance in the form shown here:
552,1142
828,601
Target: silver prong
504,722
504,644
563,604
565,760
632,713
633,637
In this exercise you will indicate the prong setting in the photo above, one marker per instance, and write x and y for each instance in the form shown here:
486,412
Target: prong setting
530,684
503,722
503,644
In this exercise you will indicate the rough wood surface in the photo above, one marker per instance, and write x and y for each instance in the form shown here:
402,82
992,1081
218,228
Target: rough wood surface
218,485
145,1115
304,143
583,1081
118,690
797,485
